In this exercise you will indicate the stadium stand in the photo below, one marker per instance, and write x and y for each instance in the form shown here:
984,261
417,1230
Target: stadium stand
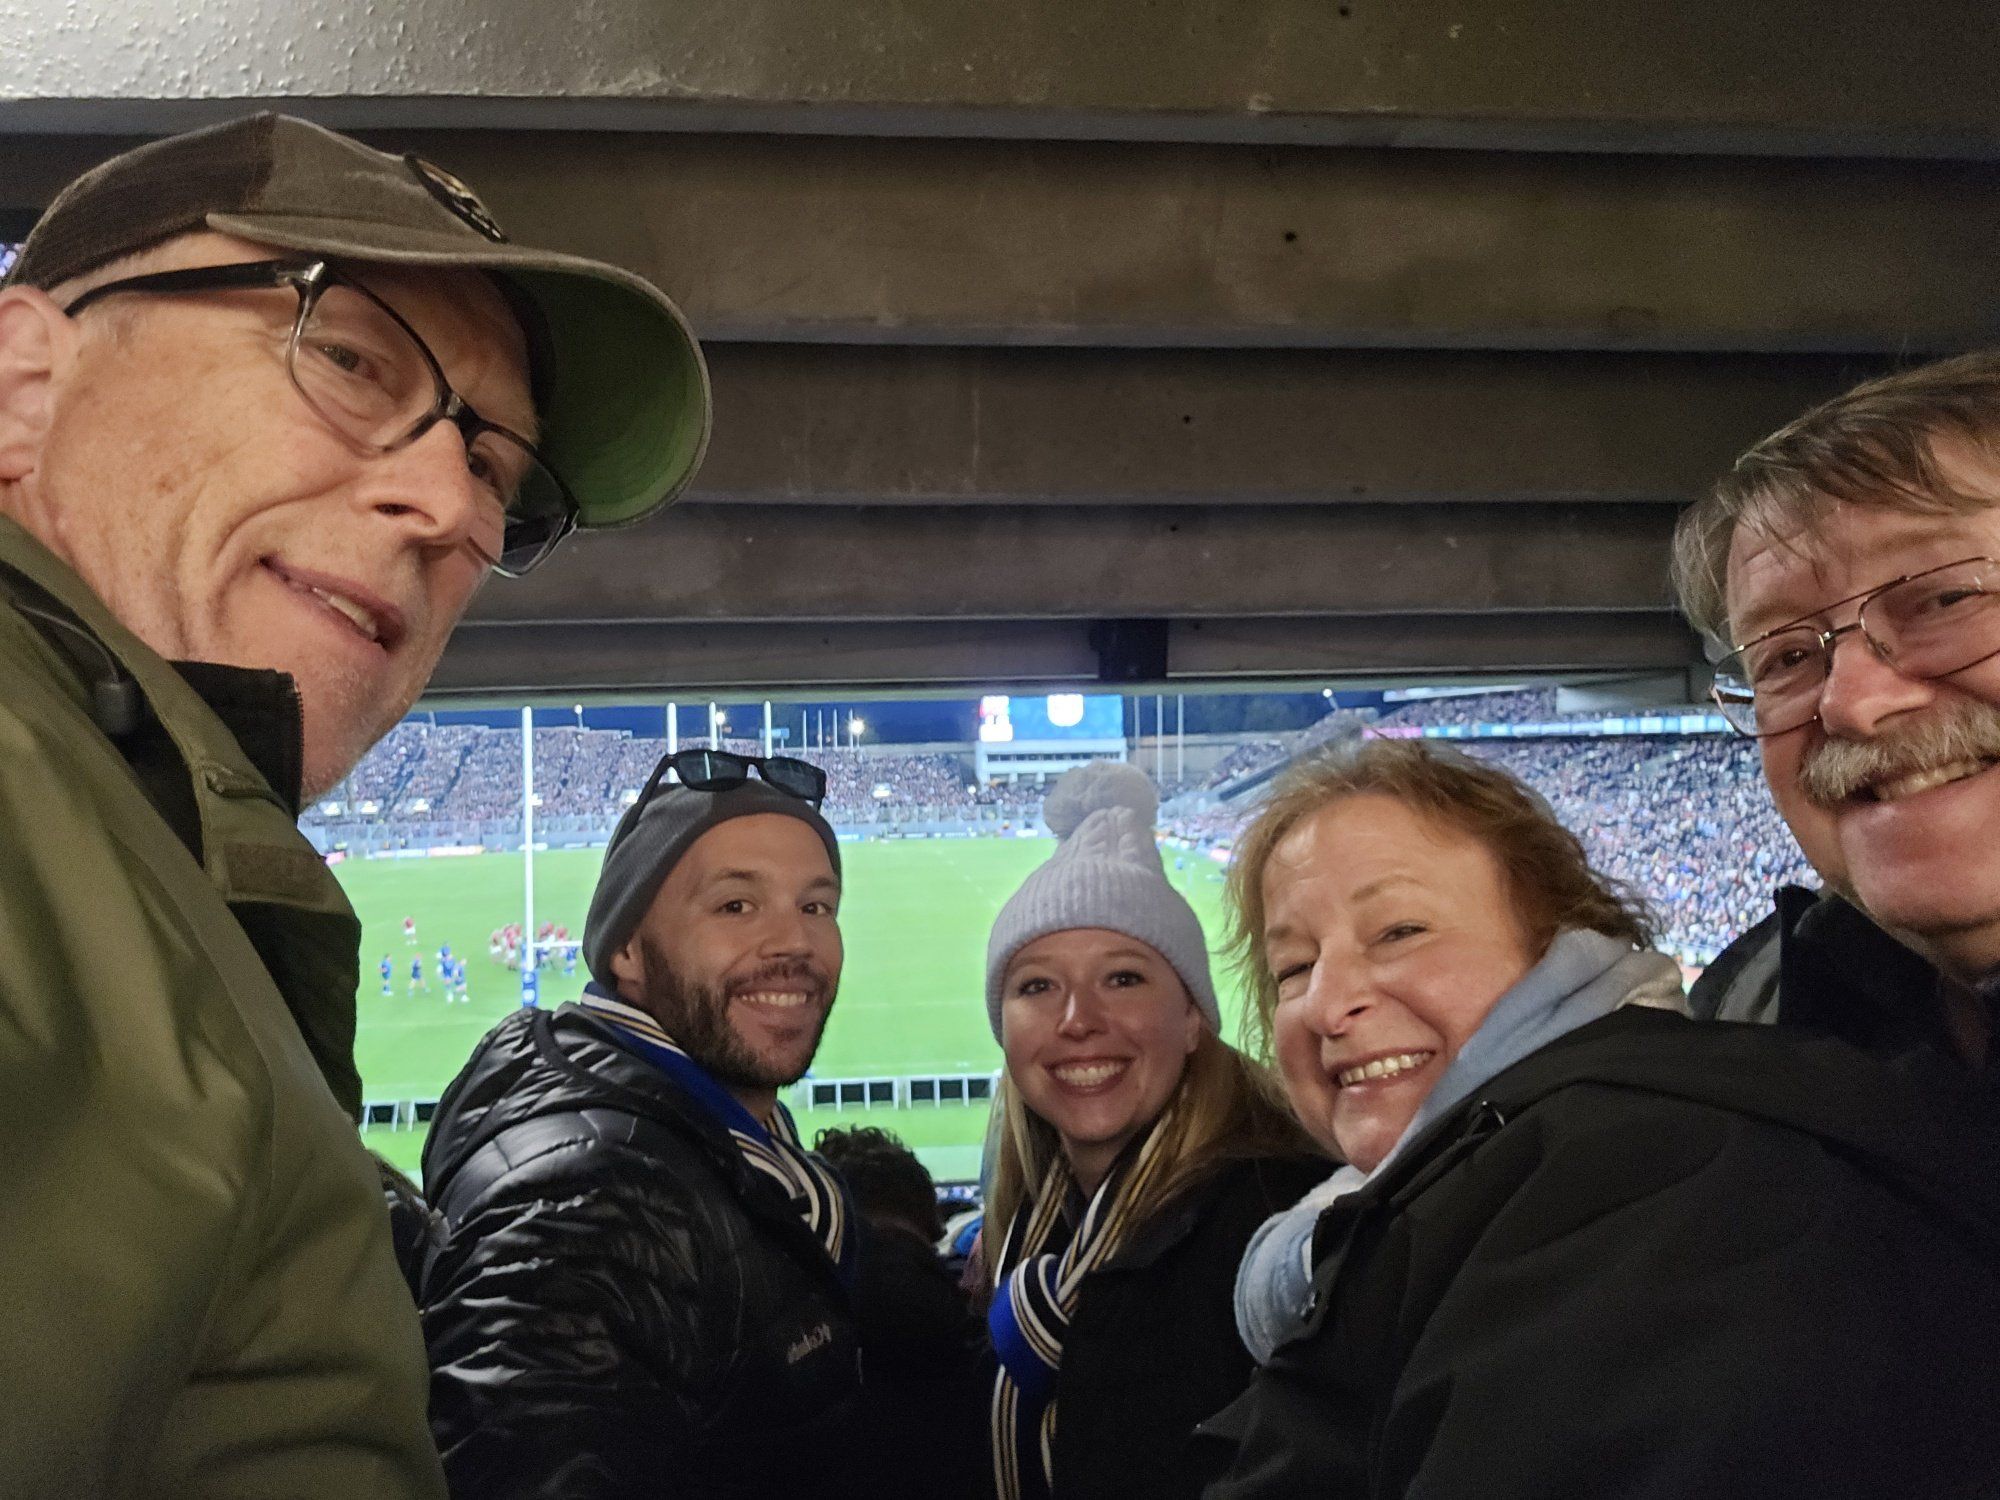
1684,819
425,780
1522,706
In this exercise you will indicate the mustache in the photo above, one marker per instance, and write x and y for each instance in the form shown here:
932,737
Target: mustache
1835,770
797,973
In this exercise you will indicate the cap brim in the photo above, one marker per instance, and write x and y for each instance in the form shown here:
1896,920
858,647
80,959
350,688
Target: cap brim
627,415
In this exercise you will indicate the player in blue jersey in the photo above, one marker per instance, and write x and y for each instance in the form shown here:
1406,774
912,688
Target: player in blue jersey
388,970
417,980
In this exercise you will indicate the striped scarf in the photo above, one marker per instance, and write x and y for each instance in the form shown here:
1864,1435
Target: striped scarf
773,1152
1036,1280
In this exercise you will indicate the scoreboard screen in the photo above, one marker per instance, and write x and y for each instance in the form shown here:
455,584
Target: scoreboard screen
1060,716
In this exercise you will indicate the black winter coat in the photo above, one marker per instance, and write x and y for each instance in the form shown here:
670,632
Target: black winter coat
1657,1259
1819,963
1152,1347
620,1307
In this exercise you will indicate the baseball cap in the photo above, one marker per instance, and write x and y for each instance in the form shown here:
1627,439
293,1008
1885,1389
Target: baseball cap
621,387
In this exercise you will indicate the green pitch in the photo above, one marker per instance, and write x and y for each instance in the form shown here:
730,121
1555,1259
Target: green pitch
914,916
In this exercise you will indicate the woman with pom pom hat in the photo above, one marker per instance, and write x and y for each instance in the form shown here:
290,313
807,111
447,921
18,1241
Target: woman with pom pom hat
1138,1153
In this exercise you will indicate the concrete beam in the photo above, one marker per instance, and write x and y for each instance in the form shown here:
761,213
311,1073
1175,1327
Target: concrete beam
1427,647
828,563
1066,243
1712,75
654,655
876,425
570,659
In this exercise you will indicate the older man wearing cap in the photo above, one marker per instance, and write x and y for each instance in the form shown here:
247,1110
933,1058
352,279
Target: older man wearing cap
272,405
643,1287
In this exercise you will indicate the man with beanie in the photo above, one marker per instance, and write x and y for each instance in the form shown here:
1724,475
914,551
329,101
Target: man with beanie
272,406
643,1286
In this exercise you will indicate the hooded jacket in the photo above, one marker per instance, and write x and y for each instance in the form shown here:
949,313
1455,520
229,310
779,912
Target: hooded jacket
1657,1258
197,1294
620,1306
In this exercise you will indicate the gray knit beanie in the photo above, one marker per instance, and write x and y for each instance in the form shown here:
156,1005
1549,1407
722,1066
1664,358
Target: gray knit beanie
648,843
1106,872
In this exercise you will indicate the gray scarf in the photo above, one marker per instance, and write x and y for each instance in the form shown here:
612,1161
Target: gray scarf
1583,977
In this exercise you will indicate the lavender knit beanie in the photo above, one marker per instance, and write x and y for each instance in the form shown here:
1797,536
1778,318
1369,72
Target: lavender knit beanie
1106,872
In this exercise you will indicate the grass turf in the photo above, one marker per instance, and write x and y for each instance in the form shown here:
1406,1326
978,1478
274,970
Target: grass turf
914,917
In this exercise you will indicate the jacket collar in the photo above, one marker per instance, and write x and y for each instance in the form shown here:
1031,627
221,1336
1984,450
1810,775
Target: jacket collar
233,732
261,711
1838,972
635,1083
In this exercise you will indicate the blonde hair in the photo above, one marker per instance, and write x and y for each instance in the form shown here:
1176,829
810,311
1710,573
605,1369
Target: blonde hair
1874,446
1225,1107
1549,881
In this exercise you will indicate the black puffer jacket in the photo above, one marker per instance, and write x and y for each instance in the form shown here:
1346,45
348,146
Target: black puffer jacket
619,1306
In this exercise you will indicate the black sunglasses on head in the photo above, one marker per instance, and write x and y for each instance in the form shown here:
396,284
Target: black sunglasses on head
719,770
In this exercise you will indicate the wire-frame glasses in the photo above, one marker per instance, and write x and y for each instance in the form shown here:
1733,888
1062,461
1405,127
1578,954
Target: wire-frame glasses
370,377
1925,625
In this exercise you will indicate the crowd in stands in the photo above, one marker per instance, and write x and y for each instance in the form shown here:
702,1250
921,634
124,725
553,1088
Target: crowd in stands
1251,755
469,773
1012,798
857,781
1686,822
1515,706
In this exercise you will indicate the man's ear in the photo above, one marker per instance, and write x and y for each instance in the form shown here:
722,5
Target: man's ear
628,968
37,344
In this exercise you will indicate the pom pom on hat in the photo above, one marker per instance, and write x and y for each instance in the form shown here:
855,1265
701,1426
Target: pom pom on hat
1106,872
1094,787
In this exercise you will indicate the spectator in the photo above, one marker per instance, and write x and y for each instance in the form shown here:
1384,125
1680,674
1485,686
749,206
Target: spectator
644,1284
891,1188
231,551
920,1339
1571,1217
1138,1152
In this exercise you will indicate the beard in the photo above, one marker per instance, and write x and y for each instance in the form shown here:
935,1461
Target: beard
696,1016
1961,730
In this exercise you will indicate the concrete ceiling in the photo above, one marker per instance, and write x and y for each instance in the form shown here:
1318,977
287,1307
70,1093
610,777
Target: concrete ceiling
1057,344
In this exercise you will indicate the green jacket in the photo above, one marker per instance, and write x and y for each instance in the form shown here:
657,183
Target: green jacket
197,1293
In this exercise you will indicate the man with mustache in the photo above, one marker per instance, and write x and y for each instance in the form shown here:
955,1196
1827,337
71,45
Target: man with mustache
273,406
1850,564
644,1284
1793,1290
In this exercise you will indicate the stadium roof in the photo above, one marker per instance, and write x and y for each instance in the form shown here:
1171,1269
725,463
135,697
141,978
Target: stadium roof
1055,346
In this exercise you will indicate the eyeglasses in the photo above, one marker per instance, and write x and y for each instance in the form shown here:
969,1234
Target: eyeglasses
719,770
374,381
1925,625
